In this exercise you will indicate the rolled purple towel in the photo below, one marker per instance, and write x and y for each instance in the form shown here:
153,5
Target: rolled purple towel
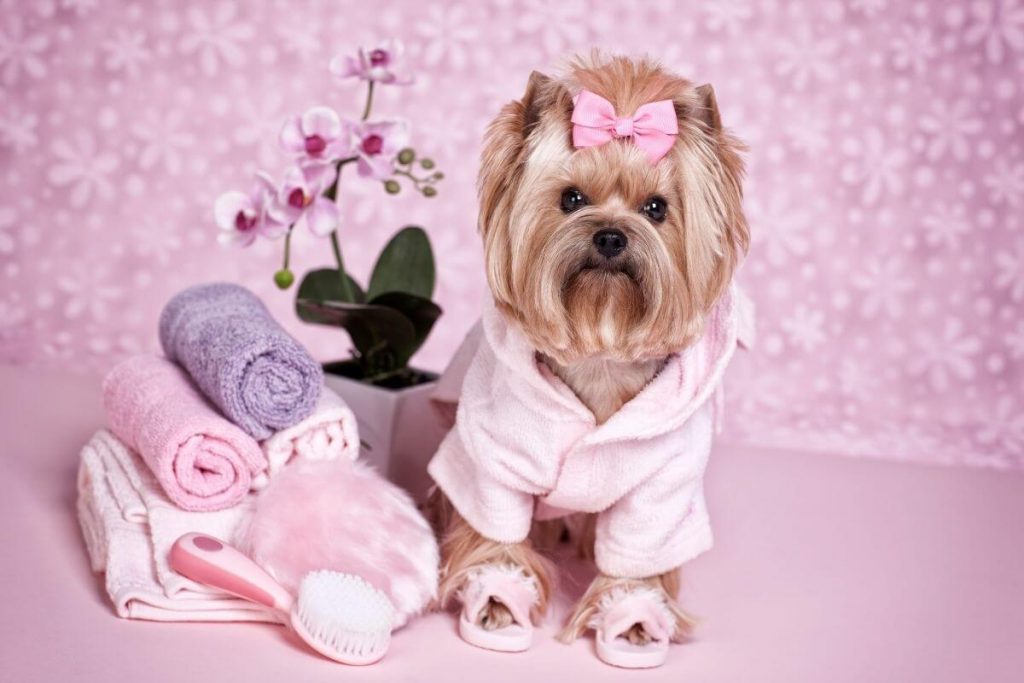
242,360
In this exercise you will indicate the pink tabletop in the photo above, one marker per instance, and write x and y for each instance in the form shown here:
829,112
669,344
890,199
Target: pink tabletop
824,569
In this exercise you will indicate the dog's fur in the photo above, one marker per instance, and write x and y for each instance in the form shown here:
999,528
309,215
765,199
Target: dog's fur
604,326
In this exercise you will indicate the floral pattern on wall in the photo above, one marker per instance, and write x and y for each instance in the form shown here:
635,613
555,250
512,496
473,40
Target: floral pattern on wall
886,184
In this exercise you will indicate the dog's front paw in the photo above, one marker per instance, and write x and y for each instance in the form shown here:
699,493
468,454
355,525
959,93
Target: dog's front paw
496,605
494,615
637,635
495,596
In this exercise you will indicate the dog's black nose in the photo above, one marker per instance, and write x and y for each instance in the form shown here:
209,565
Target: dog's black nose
610,243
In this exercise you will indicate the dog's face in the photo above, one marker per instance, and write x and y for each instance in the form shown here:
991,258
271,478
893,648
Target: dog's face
597,251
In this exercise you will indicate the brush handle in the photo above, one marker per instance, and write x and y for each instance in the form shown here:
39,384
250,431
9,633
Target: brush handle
212,562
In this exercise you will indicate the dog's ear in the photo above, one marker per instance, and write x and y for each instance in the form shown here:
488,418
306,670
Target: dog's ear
707,107
501,167
729,149
533,100
505,140
502,147
714,197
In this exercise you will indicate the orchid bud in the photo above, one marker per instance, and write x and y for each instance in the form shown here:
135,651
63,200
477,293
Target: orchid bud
407,156
284,278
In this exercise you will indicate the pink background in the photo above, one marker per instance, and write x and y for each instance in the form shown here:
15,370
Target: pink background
886,184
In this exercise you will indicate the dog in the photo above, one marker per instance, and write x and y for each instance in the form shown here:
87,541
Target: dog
612,225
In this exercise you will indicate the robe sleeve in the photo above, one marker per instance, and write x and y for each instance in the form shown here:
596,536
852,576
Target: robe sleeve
662,523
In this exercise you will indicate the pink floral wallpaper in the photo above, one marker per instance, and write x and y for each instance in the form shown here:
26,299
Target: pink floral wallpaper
886,187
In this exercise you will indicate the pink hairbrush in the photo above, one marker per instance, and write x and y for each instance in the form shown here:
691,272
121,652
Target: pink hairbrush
341,616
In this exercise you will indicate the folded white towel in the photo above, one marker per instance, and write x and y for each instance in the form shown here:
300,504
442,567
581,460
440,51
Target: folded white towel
129,526
328,434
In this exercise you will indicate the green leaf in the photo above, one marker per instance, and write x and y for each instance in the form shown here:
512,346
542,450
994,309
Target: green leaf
421,313
325,285
405,265
371,327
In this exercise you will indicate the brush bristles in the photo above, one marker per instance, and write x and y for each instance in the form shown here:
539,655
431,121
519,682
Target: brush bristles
344,614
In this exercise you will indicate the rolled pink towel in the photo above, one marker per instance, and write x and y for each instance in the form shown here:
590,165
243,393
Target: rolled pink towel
202,461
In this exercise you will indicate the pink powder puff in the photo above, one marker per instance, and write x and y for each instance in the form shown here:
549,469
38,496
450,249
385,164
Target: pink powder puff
343,516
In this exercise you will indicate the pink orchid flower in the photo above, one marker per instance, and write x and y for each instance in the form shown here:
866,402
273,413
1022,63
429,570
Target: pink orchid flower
382,64
377,144
244,217
318,135
300,196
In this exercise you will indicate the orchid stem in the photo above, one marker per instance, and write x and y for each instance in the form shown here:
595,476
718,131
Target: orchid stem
332,194
416,181
346,289
332,191
288,247
369,100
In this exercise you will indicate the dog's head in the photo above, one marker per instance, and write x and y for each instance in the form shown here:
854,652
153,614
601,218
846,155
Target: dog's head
597,251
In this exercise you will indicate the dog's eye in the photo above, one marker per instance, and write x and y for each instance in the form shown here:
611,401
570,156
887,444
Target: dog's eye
655,208
573,199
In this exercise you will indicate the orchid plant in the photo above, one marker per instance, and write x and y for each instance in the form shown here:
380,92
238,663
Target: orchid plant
389,319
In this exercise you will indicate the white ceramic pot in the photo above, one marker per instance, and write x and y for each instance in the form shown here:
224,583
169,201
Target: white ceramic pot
400,429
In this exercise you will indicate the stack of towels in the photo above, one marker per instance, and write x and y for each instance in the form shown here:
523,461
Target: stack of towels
191,435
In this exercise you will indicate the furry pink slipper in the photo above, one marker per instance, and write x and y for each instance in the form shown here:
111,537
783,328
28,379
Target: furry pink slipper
618,611
511,587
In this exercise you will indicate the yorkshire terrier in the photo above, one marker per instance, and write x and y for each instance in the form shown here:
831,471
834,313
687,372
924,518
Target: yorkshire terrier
610,211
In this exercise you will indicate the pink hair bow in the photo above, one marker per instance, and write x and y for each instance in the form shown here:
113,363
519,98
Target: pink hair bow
653,127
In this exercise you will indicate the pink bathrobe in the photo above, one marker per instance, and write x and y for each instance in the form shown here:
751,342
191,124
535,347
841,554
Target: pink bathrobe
524,446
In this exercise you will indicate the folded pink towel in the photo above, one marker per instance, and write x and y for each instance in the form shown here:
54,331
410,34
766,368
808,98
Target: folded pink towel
202,461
